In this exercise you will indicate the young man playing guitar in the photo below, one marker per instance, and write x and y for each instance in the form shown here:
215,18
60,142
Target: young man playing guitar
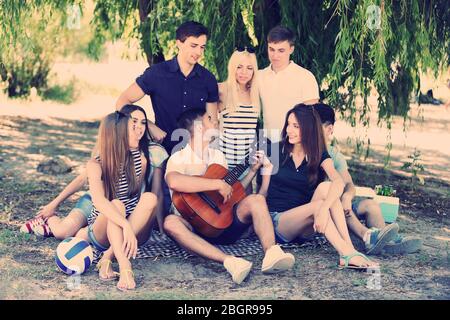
184,175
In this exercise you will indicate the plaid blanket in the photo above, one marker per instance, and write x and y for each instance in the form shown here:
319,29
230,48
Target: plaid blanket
159,245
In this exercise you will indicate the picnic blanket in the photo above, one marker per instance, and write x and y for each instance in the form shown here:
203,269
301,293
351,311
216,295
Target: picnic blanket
160,245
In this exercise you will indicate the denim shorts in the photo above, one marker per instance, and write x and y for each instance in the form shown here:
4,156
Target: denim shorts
93,240
275,219
279,237
84,205
355,204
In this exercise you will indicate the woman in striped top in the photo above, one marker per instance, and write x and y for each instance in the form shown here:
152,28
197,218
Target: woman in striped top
239,106
121,215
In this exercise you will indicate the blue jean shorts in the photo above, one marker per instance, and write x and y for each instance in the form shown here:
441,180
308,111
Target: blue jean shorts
275,219
93,240
279,237
84,205
355,204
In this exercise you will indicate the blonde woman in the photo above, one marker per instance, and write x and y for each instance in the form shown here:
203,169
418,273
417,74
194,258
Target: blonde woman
239,106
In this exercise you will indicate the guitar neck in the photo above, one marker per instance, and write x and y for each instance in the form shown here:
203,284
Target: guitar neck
234,174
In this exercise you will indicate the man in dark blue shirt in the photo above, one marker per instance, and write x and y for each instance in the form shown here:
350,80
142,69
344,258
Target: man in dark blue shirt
176,85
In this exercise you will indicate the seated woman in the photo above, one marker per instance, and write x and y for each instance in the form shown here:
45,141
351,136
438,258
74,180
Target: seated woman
121,215
299,203
239,107
47,224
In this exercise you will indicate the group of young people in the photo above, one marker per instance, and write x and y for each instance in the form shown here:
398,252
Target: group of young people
303,188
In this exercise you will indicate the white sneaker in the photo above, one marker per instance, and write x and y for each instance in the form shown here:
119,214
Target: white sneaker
238,268
276,260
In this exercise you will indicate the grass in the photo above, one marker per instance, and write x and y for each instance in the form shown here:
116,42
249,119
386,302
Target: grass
359,282
9,237
65,94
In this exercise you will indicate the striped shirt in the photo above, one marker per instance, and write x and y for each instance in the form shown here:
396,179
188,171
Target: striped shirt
122,188
238,129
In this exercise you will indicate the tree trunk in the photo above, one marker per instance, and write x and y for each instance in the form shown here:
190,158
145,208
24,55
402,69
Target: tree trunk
145,7
267,16
399,92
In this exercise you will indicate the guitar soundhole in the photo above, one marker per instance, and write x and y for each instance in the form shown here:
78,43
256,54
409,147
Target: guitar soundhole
211,203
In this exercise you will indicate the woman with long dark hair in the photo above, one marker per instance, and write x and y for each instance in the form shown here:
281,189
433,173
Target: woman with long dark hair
48,224
121,215
300,203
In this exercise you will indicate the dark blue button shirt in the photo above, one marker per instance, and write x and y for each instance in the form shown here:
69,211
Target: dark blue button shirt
172,93
289,186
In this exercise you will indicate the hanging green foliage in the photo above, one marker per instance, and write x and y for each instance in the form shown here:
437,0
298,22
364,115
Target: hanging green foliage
352,47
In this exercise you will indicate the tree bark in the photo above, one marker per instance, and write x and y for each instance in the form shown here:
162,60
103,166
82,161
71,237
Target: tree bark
145,7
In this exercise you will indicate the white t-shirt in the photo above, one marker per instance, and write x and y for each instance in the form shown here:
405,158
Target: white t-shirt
186,161
281,91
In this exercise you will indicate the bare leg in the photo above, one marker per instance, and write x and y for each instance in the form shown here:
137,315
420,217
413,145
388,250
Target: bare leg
142,217
105,270
371,209
355,225
115,236
350,221
140,221
159,214
253,209
299,222
181,231
68,226
83,234
338,216
100,233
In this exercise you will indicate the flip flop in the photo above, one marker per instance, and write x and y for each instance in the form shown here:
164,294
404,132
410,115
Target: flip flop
109,265
127,271
347,264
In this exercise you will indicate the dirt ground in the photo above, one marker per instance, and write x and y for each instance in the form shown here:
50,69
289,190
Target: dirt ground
28,271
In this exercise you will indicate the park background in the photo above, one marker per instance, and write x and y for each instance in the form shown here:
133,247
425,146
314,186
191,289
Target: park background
63,64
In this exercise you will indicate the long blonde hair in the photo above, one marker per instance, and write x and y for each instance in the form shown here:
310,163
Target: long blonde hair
231,102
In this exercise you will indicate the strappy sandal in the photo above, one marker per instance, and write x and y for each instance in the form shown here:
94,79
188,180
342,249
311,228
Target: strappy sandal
348,265
109,265
127,272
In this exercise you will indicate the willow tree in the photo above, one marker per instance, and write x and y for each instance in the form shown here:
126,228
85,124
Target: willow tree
351,46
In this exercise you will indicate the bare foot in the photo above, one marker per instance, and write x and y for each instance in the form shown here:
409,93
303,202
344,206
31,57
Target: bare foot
359,261
126,280
105,270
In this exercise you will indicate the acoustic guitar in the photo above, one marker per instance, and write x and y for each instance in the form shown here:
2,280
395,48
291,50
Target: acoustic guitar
205,211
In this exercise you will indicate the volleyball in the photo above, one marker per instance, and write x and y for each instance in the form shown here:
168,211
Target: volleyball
74,256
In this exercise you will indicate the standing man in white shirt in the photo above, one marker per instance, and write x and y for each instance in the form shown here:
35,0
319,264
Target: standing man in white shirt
283,84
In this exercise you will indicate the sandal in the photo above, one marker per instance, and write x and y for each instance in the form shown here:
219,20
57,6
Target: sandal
347,264
127,272
109,265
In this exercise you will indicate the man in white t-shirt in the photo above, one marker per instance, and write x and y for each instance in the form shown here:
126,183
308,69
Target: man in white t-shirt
283,84
183,174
